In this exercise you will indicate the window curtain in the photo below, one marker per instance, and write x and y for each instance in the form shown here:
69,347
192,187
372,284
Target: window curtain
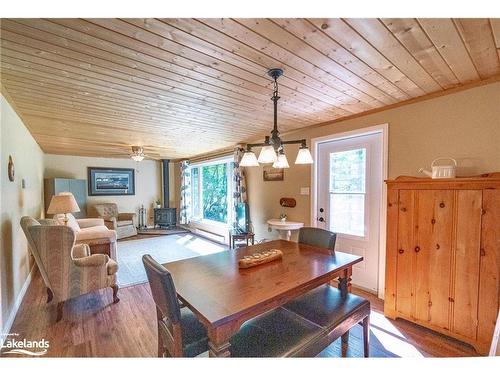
239,183
185,204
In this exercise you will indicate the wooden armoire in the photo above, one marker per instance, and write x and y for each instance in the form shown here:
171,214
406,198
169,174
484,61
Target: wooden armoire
443,255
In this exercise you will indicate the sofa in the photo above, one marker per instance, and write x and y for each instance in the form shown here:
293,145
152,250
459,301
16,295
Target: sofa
122,223
68,269
93,232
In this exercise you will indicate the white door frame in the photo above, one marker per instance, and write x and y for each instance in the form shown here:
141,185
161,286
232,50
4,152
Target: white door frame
384,130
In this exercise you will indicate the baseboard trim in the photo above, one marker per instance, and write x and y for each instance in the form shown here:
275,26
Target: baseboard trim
19,299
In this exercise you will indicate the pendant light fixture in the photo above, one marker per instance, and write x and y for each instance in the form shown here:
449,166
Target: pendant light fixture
273,150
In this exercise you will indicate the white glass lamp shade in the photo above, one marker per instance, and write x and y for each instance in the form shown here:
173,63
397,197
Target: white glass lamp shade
249,160
304,156
281,162
137,157
267,155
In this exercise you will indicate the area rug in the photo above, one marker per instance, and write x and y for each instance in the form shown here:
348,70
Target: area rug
162,231
163,249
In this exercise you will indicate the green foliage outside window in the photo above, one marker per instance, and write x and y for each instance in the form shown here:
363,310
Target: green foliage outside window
214,188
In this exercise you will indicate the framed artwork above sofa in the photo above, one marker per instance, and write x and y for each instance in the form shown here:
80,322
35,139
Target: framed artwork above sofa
111,181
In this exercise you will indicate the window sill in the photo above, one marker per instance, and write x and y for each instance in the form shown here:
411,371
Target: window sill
211,223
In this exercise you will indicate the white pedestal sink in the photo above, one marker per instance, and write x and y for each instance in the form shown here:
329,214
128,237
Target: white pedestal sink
284,228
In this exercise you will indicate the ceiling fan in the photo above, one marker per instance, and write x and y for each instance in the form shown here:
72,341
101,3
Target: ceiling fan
138,154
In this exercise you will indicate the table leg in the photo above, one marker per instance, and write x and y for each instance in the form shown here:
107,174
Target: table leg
218,343
288,235
345,282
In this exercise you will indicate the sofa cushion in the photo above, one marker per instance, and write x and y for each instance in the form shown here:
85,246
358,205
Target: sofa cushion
93,233
124,223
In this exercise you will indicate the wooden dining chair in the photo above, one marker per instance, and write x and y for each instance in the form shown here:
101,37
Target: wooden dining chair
317,237
180,333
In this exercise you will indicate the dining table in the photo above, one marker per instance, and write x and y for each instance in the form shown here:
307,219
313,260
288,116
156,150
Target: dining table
224,296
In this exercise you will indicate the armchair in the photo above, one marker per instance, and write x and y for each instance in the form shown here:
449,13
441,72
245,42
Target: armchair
122,223
68,269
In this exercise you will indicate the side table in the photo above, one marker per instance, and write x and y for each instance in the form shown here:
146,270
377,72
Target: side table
240,236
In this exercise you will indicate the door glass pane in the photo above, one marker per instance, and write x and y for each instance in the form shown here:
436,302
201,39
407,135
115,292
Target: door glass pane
347,171
214,191
347,192
347,214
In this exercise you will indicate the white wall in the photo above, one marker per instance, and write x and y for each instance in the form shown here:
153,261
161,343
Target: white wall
147,179
15,261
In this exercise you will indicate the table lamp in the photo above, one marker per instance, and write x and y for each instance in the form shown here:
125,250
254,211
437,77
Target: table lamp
63,203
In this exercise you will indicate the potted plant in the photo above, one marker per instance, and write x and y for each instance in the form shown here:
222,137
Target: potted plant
158,203
283,217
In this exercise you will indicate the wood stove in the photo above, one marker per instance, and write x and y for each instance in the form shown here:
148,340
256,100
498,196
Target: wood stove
165,217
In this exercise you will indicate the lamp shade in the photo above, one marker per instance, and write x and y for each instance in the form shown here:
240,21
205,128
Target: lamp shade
249,160
137,157
63,204
281,162
304,156
267,155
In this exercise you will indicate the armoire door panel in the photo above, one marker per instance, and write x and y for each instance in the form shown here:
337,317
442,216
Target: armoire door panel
466,270
404,279
489,288
433,235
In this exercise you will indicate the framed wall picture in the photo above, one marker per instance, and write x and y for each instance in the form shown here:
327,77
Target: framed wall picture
273,174
111,181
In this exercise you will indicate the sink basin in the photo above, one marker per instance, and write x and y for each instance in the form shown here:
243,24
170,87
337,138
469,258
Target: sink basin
284,227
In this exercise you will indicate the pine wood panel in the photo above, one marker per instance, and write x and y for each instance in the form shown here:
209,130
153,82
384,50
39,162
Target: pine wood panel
466,262
447,40
489,285
433,235
391,256
478,38
405,253
414,39
205,79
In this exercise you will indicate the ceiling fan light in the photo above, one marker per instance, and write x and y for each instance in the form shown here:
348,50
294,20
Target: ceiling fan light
281,162
304,156
137,157
249,160
267,155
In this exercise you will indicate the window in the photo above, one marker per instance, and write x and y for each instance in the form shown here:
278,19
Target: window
211,191
348,192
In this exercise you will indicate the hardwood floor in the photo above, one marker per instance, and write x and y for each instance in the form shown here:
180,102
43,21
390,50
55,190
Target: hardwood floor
94,327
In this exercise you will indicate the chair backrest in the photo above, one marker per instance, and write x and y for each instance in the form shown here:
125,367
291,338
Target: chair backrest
106,210
53,245
26,222
162,289
317,237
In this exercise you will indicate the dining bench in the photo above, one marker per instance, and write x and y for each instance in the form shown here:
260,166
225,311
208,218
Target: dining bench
304,327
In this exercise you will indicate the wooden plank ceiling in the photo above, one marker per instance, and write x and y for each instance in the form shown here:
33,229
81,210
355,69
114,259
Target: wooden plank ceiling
182,87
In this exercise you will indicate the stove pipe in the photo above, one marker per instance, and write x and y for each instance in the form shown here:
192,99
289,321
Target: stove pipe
165,182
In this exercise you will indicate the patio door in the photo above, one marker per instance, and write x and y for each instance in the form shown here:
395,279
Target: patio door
349,195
